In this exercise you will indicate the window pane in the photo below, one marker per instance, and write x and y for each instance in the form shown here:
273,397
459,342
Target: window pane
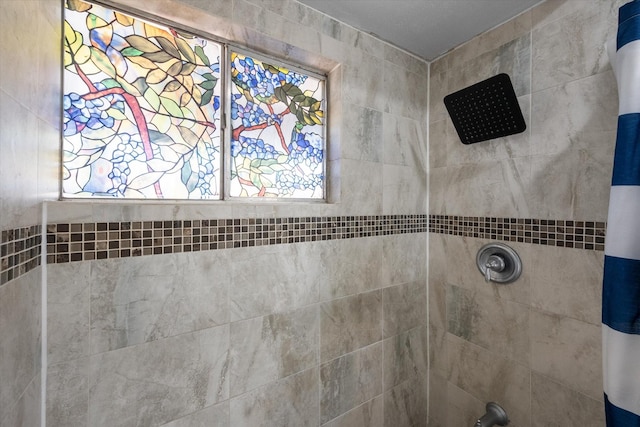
141,108
277,141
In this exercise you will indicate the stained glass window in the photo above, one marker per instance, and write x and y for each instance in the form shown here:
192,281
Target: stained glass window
142,115
141,108
277,142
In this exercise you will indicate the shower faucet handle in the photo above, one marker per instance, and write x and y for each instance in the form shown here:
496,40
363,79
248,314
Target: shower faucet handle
498,263
494,263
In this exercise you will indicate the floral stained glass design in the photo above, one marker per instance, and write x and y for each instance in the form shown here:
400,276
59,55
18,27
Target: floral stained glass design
277,141
141,108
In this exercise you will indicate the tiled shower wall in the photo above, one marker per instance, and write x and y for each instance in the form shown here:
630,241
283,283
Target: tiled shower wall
29,100
319,318
533,345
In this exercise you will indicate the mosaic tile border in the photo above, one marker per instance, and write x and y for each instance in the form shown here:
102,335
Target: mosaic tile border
20,249
19,252
102,240
589,235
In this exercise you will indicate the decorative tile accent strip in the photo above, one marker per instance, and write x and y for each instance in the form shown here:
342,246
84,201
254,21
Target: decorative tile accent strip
569,234
19,252
70,242
102,240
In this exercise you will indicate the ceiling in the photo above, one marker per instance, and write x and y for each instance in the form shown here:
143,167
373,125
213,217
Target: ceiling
426,28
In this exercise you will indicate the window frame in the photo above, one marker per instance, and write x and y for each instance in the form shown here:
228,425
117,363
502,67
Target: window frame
226,47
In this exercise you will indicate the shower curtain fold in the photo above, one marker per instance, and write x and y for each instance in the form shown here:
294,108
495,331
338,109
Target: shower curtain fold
621,284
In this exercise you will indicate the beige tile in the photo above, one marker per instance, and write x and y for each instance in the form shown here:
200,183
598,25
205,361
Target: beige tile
439,143
491,40
438,400
350,323
363,83
438,350
142,299
554,405
363,135
488,376
20,334
575,184
404,142
360,184
404,307
407,61
19,135
404,189
212,416
437,290
68,311
292,401
495,324
438,89
369,414
406,92
160,381
577,115
404,258
573,277
68,393
492,188
272,279
405,405
265,349
350,380
27,411
570,48
463,409
405,357
568,351
351,266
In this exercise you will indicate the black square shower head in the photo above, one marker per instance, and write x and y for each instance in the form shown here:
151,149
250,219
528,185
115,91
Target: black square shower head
486,110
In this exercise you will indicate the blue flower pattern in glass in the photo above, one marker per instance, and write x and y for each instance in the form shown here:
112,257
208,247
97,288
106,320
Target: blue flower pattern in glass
267,103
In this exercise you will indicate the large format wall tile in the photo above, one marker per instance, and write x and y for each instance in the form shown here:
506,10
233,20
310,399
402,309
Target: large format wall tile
489,376
492,323
405,357
363,135
137,300
405,404
553,404
573,277
20,325
350,323
292,401
68,393
160,381
268,348
212,416
404,307
68,311
350,380
572,47
369,414
26,412
403,259
273,279
580,114
568,351
351,266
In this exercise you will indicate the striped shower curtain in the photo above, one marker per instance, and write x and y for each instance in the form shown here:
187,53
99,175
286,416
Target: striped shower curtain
621,286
